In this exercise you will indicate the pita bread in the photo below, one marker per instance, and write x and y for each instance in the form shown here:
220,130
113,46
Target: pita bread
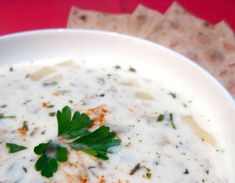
147,19
214,49
200,48
214,45
176,28
225,39
227,76
103,21
226,43
136,25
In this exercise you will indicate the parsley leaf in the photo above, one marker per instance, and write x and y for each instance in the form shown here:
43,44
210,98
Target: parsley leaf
72,127
51,153
97,142
13,148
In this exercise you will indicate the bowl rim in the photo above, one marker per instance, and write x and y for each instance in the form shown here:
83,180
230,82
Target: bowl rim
185,59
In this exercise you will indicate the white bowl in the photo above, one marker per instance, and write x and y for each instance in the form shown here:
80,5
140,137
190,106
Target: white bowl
161,64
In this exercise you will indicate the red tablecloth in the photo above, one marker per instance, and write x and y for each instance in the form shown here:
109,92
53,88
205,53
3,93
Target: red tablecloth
20,15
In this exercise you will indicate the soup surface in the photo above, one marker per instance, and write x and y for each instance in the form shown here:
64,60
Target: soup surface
161,140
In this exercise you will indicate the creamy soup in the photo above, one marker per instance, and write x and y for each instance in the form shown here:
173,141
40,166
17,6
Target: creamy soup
161,139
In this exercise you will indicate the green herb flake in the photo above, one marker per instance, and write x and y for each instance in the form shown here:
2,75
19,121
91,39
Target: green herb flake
52,83
13,148
171,121
186,171
135,169
11,69
173,95
25,126
51,114
27,101
132,69
148,175
117,67
3,106
160,117
2,116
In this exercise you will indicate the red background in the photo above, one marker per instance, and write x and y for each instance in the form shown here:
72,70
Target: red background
20,15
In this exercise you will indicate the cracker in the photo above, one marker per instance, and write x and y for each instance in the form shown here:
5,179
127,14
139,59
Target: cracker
147,20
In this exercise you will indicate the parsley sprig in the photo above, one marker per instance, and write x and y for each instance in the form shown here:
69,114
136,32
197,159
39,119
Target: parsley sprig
74,129
72,126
